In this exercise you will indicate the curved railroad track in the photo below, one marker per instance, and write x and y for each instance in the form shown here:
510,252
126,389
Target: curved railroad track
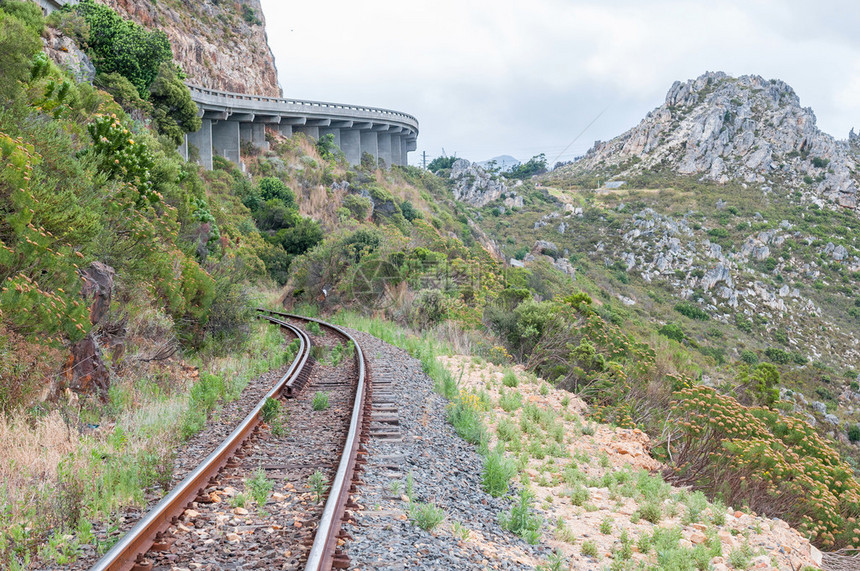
202,519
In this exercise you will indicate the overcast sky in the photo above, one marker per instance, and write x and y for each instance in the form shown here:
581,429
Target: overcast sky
493,77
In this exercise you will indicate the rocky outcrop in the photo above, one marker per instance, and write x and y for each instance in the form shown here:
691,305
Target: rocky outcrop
64,51
474,185
723,128
219,45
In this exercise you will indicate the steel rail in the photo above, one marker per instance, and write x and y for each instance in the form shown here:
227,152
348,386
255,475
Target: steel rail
322,551
123,556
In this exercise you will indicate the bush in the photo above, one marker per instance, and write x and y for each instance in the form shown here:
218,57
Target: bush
124,47
651,511
510,379
440,163
778,356
121,157
358,205
497,473
521,519
749,357
464,416
272,188
776,465
18,44
854,433
692,311
672,331
409,211
123,92
425,515
173,110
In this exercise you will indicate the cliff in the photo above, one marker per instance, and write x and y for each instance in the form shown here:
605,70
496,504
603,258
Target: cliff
219,44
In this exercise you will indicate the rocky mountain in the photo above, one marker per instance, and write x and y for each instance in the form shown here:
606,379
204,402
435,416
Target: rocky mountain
219,44
735,233
721,128
503,162
474,185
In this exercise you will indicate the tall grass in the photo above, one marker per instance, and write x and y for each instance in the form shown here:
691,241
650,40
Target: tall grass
63,469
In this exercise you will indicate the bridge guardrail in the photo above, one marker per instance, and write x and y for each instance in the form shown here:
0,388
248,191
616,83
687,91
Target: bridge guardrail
231,96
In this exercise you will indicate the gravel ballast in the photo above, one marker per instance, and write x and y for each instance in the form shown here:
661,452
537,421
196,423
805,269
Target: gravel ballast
446,471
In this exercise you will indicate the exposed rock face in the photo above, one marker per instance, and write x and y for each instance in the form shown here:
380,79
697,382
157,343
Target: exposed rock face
745,128
474,185
65,53
219,45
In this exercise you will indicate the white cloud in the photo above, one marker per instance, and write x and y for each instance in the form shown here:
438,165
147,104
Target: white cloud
488,77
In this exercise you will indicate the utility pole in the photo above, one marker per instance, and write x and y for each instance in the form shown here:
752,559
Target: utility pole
424,159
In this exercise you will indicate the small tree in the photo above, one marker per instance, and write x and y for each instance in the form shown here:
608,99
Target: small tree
174,111
440,163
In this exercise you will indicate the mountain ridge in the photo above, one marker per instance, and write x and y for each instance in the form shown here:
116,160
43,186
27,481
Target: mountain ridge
722,128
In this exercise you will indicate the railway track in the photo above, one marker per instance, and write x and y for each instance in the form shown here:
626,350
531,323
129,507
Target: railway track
205,521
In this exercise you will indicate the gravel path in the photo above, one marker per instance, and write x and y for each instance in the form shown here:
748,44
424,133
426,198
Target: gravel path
446,471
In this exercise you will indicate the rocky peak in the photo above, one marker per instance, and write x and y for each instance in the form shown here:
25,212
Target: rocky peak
219,45
724,128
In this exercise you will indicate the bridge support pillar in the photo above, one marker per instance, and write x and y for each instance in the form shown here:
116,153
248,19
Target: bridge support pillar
404,151
328,131
255,133
396,156
370,145
285,129
225,140
350,144
383,145
312,132
202,141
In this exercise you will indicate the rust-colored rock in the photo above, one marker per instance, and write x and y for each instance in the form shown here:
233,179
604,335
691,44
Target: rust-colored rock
219,45
84,371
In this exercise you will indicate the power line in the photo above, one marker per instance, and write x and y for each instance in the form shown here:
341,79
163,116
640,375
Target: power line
581,133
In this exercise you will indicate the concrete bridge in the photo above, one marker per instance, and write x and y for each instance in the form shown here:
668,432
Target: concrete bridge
232,118
229,119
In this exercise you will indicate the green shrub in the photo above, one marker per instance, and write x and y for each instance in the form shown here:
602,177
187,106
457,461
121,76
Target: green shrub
259,486
122,157
425,515
18,44
465,417
778,356
692,311
510,400
173,110
28,13
510,379
521,519
854,432
359,206
497,473
749,357
317,483
579,495
651,511
672,331
124,47
589,548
